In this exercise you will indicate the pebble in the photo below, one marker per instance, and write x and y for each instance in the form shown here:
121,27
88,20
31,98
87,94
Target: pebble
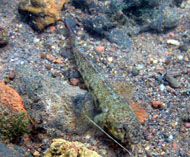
157,104
74,81
135,71
110,59
173,42
4,38
172,81
187,125
139,66
100,49
36,153
180,57
171,137
186,59
183,48
162,87
43,55
36,40
175,146
11,75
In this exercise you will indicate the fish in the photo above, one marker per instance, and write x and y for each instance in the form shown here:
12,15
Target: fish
116,116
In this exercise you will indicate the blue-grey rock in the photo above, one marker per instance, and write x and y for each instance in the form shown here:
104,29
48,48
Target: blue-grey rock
50,102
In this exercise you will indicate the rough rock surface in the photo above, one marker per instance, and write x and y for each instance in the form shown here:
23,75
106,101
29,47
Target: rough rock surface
41,13
10,98
48,101
61,147
5,151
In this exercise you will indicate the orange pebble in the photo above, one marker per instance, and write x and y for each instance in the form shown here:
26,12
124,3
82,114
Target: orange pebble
100,49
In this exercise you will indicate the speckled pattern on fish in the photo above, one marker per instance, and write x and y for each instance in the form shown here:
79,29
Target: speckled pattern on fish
116,115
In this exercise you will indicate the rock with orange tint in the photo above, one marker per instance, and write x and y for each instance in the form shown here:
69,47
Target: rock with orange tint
100,49
41,13
157,104
10,98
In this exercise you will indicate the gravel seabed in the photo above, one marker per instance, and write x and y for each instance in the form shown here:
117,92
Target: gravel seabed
164,133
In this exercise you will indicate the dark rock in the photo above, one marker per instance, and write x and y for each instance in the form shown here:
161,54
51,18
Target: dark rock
7,152
120,37
135,71
85,5
186,93
98,25
4,37
177,2
165,20
74,74
183,47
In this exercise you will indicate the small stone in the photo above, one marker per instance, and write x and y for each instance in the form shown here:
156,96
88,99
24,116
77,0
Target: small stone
172,81
175,145
155,116
167,60
157,104
36,40
43,55
187,125
110,59
135,71
139,66
162,87
173,125
100,49
74,81
36,153
155,61
171,137
173,42
183,47
50,58
4,38
11,75
180,57
186,59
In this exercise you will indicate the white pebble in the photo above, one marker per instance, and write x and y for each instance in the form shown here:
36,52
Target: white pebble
173,42
180,57
162,87
139,66
36,40
110,59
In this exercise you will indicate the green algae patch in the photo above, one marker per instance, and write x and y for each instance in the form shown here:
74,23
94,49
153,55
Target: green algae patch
13,125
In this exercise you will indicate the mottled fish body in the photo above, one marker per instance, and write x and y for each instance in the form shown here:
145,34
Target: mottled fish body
116,115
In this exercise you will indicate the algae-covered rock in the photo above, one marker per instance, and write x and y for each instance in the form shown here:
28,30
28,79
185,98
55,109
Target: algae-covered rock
13,125
41,13
63,148
13,116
